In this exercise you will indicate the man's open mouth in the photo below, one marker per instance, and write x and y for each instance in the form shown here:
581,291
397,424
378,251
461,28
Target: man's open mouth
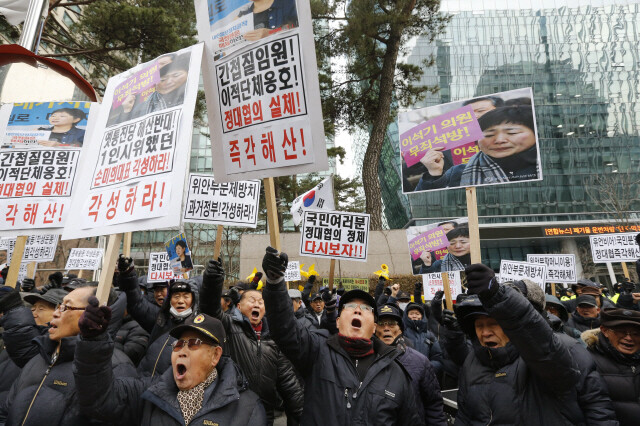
356,323
491,344
255,314
181,370
627,346
387,336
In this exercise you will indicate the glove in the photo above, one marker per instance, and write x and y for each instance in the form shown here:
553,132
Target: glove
312,279
125,264
436,306
214,268
387,291
28,284
481,280
256,278
329,300
340,291
55,279
95,319
450,321
417,285
274,265
234,295
9,299
326,295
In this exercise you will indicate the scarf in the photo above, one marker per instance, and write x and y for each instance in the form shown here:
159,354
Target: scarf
191,400
495,358
356,347
155,102
451,263
257,329
481,169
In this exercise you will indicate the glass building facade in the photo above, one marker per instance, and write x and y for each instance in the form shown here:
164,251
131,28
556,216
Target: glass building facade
581,59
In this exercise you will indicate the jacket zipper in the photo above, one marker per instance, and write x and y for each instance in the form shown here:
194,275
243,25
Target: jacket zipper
54,358
153,373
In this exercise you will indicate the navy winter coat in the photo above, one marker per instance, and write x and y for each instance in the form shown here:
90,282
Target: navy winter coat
423,340
154,401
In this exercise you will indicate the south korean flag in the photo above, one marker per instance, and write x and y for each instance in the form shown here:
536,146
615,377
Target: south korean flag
319,197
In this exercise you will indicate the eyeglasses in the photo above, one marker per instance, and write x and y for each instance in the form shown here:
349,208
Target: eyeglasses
64,307
192,344
622,332
363,307
389,323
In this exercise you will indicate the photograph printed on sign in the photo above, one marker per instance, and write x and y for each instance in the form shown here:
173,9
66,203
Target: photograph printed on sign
486,140
439,247
179,254
236,23
46,124
160,85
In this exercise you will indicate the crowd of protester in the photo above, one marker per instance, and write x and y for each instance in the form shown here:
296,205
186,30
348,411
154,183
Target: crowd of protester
196,352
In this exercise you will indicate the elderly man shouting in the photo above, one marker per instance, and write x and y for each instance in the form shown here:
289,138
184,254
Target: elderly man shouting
201,387
351,377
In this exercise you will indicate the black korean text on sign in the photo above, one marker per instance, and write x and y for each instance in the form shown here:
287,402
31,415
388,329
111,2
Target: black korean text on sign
262,84
338,235
138,149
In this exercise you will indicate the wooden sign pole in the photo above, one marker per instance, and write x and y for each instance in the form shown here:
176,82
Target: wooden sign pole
553,289
447,290
218,246
126,245
16,260
474,229
625,271
272,213
31,270
109,265
332,270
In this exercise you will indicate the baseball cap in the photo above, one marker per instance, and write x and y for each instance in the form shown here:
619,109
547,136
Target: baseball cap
391,310
160,284
403,295
209,327
295,294
613,317
586,299
53,296
358,294
316,296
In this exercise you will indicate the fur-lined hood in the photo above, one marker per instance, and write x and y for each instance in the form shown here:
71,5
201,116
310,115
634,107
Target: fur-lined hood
590,337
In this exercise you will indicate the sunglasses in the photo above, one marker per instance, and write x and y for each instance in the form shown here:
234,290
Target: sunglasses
363,307
192,344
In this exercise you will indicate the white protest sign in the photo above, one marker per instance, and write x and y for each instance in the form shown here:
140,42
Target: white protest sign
561,268
228,203
89,259
160,267
335,235
134,175
4,243
293,271
40,158
39,248
614,247
320,197
511,270
263,96
432,283
22,272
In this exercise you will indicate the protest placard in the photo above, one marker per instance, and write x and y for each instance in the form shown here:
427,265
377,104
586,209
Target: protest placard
335,235
40,154
293,271
89,259
614,248
24,271
468,142
320,197
261,84
349,283
561,268
4,242
160,268
433,249
134,175
39,248
432,283
179,254
227,203
511,270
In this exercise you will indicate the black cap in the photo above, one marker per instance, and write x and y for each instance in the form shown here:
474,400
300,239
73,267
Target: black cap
466,311
403,295
160,284
53,296
315,296
391,310
180,286
209,327
417,306
586,299
358,294
613,317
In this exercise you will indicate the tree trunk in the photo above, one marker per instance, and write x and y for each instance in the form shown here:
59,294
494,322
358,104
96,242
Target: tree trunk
370,179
